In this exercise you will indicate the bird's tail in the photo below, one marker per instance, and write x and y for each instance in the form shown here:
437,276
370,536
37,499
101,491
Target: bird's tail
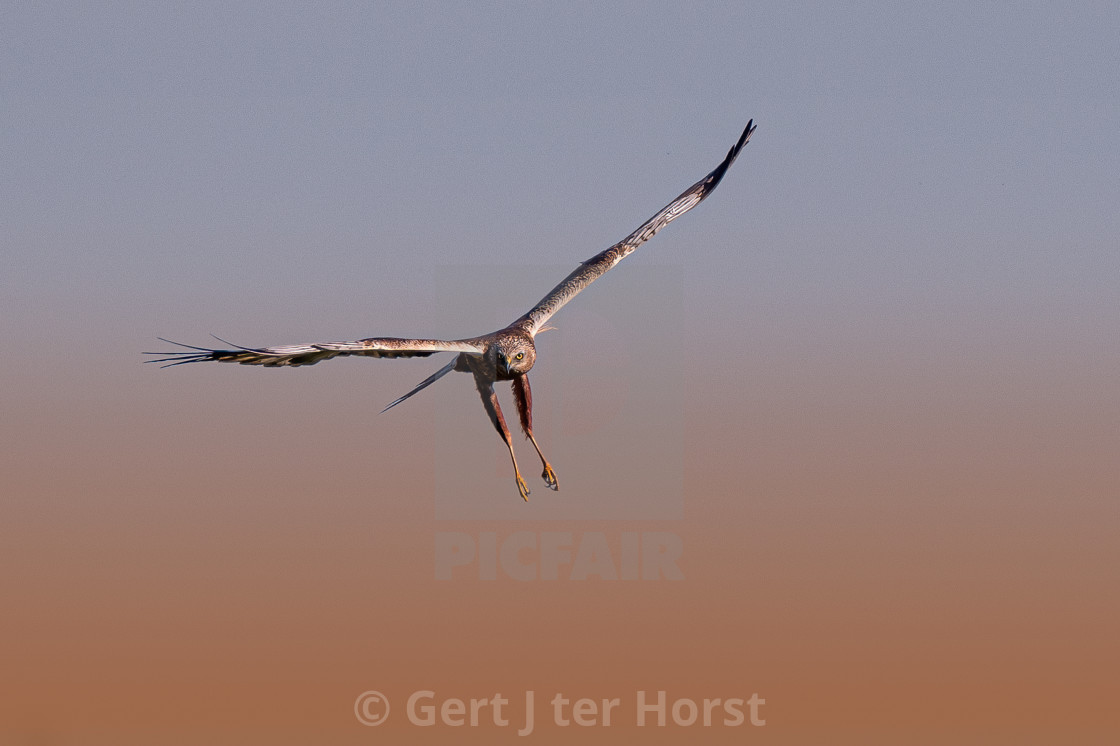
425,383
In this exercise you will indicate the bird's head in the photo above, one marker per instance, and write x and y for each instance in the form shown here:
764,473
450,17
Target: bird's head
515,355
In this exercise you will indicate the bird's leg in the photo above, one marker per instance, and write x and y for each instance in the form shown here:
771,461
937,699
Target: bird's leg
490,402
523,395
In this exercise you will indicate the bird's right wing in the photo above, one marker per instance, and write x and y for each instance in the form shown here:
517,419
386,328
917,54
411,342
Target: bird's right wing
309,354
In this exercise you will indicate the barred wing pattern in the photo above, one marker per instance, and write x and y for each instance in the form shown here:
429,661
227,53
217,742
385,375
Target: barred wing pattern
596,266
309,354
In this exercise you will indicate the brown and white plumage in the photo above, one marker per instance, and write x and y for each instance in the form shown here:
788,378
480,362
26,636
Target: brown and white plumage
505,355
597,266
309,354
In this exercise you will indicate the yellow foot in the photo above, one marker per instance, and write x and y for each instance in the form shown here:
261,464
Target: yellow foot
522,488
549,477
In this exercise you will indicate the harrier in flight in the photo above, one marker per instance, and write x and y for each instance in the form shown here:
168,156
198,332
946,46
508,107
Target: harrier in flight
505,355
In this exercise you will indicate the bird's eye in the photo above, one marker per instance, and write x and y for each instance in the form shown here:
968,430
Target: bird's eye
519,356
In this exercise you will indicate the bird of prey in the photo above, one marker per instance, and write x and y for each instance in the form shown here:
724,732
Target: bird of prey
505,355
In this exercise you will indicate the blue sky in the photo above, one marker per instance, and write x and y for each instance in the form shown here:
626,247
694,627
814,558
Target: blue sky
153,153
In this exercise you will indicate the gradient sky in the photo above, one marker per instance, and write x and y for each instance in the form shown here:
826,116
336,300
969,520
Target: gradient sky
873,383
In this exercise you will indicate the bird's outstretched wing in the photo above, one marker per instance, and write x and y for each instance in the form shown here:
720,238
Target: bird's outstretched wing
597,265
309,354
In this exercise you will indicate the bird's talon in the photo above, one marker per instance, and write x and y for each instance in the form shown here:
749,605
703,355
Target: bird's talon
523,488
549,477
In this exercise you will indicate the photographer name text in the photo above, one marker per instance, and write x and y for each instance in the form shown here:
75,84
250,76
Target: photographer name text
425,708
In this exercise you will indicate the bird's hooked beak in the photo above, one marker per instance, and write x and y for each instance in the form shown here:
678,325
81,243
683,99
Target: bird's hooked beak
503,363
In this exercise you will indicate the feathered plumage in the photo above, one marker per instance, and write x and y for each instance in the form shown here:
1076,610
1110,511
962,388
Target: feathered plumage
505,355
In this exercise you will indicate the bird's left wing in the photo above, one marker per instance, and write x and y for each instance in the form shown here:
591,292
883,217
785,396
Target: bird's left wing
309,354
597,265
